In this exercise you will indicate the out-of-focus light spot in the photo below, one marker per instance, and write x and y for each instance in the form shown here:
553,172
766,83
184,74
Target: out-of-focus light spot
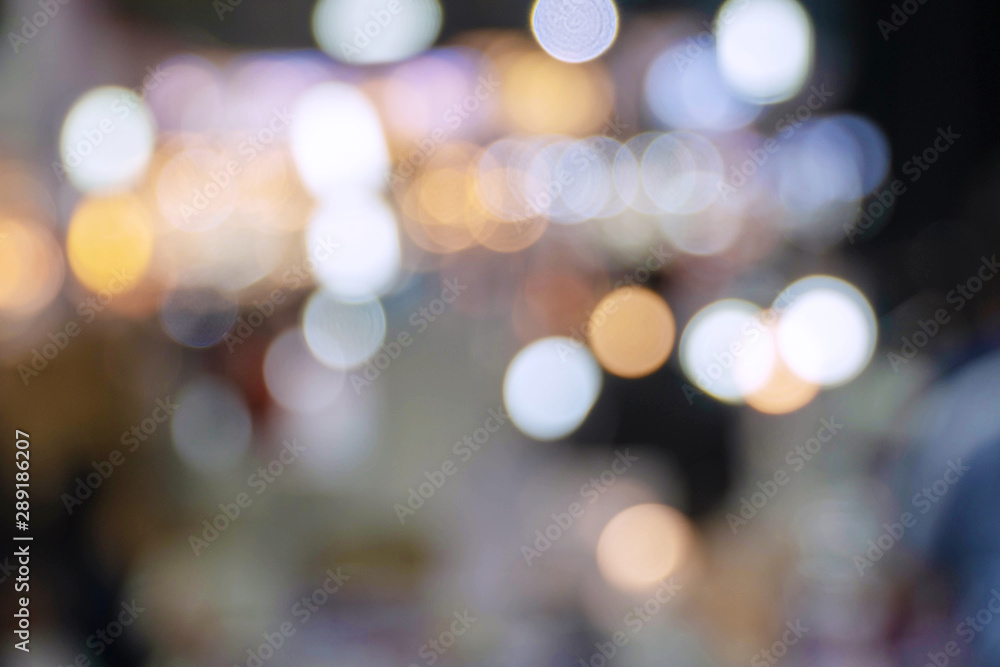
689,93
195,190
419,96
374,31
571,181
710,232
198,317
820,168
550,387
712,340
755,363
212,427
681,172
337,140
783,392
643,545
31,267
869,148
355,242
575,31
828,333
628,176
190,97
296,380
764,48
343,335
107,139
632,332
110,242
544,96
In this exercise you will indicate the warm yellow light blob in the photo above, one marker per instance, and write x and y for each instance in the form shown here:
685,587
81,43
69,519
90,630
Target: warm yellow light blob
642,545
110,242
632,332
31,269
545,96
783,392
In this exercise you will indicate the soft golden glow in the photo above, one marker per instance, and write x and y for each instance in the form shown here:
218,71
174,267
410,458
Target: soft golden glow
31,270
110,242
542,95
643,545
783,392
632,332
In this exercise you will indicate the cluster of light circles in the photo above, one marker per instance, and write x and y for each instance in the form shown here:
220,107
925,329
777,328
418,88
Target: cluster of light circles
552,384
820,332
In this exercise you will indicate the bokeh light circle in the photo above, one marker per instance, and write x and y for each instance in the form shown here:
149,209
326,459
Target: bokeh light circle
343,335
632,332
643,545
375,31
294,377
211,429
713,340
110,242
575,31
550,387
764,48
827,332
107,139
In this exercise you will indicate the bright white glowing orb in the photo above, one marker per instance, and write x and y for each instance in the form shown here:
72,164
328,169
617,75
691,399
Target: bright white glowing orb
550,387
828,332
107,139
355,244
712,344
764,48
337,140
343,335
375,31
575,31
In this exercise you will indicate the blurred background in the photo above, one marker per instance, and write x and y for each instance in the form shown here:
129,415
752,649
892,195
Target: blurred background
412,332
